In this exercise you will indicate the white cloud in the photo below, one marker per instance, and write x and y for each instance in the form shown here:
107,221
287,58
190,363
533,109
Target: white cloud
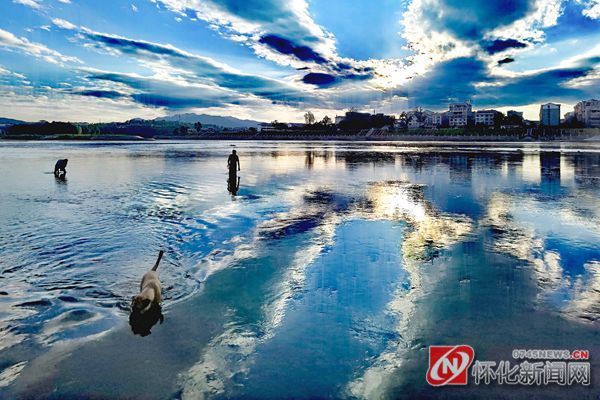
38,50
286,19
56,106
29,3
531,28
61,23
177,66
439,30
5,72
591,8
65,1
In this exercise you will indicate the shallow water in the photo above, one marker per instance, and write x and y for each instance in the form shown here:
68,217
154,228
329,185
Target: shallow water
328,274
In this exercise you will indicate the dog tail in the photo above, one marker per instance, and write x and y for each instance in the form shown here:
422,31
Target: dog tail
160,254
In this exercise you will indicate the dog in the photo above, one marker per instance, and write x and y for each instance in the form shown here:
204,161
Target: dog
60,168
149,295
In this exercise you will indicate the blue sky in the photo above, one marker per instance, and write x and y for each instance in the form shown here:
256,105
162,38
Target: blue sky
274,59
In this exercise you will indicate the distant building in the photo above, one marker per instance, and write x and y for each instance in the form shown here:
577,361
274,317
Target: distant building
514,120
487,117
415,120
588,113
356,116
515,114
339,118
434,119
423,119
550,114
459,114
570,118
268,127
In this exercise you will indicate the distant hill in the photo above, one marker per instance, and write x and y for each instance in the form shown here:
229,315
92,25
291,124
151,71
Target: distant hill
204,119
8,121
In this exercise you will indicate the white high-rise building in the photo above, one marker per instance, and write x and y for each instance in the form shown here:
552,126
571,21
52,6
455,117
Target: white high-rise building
459,114
588,113
550,114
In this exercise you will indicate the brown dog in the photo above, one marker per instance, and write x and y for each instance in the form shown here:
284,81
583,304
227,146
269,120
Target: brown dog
149,290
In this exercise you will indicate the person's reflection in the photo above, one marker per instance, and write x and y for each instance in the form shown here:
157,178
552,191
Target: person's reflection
309,160
142,323
233,184
61,179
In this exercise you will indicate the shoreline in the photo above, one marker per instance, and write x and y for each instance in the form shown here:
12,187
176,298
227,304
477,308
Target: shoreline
397,138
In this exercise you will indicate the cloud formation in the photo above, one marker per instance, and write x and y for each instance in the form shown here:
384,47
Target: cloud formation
282,31
188,70
499,53
591,8
500,45
433,90
29,3
23,45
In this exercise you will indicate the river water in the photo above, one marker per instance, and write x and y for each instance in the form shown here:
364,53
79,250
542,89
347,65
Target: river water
326,270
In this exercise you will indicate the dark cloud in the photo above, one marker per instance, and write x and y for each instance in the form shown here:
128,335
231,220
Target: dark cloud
285,46
471,19
540,87
453,80
104,94
461,79
131,81
128,46
500,45
200,68
159,93
319,79
284,30
337,71
173,102
506,60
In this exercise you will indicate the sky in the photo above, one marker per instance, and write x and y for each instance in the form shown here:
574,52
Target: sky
100,61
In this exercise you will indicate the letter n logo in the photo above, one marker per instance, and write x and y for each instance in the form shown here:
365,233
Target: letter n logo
448,365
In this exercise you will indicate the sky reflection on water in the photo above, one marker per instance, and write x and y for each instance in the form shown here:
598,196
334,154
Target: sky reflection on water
330,254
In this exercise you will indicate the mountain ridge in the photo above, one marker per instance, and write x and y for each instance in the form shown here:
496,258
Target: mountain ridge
205,119
10,121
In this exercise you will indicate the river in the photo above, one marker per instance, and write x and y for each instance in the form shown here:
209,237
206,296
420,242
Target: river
325,269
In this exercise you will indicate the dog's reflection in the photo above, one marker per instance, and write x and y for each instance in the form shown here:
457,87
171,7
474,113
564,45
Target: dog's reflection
141,323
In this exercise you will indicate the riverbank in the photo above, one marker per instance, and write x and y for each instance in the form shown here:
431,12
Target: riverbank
395,138
442,135
76,137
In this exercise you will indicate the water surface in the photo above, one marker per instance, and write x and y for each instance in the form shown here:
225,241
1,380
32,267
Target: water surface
327,274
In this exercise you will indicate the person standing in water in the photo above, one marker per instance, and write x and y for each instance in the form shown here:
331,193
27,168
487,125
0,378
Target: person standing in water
233,163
